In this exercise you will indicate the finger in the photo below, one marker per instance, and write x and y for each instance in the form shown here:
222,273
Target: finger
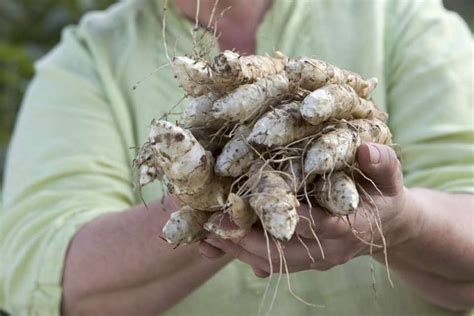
221,225
256,243
297,258
222,221
381,165
336,252
240,253
208,251
324,227
298,252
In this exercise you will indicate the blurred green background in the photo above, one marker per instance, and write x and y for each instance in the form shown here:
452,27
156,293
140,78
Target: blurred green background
29,28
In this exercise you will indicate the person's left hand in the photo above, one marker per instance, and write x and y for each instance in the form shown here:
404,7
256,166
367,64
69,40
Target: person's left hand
340,241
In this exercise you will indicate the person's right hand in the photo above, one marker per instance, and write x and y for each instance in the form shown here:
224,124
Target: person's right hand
336,237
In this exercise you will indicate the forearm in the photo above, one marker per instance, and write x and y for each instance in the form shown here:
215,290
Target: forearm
441,240
437,258
453,295
118,263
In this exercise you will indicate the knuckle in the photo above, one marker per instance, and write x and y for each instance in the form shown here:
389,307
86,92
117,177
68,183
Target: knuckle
234,251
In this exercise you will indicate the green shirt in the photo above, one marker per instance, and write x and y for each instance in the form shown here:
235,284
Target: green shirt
69,160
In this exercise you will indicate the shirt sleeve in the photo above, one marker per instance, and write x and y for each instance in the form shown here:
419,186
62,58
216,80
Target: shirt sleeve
68,163
429,94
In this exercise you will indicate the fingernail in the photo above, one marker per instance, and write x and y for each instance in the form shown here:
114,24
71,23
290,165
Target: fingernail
374,154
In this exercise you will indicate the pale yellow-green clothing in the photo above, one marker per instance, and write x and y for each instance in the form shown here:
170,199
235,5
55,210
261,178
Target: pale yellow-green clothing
69,160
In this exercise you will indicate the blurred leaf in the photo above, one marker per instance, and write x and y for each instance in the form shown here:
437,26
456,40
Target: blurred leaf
15,71
28,29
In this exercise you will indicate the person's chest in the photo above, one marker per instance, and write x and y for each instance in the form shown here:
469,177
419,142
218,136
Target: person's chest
314,29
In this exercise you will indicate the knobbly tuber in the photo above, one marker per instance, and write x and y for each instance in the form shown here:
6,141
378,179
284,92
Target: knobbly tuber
187,166
232,70
250,100
281,126
336,149
338,194
274,201
336,102
261,135
311,74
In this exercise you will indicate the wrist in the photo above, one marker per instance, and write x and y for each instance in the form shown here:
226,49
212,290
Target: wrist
411,221
413,213
408,225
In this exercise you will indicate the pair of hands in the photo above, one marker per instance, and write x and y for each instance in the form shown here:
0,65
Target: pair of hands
340,240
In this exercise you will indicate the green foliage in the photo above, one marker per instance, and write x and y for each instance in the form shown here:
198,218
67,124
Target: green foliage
28,29
15,70
39,22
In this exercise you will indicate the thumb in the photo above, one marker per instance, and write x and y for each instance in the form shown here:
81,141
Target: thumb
381,165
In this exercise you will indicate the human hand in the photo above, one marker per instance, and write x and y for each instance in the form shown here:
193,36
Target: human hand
341,239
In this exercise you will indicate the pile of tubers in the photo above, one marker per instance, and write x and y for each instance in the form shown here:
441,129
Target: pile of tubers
261,135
